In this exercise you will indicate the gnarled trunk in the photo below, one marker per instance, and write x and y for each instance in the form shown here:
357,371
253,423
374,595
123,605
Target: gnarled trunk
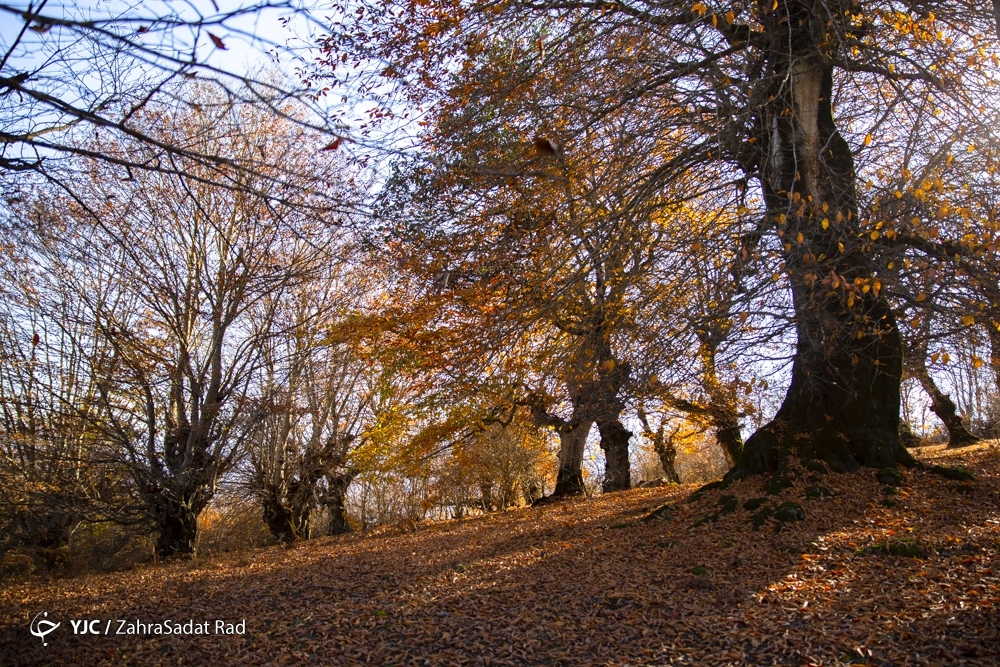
46,530
286,521
667,452
572,440
614,442
907,437
941,403
178,530
843,402
729,435
335,500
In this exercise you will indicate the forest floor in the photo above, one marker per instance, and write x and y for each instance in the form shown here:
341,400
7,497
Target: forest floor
867,577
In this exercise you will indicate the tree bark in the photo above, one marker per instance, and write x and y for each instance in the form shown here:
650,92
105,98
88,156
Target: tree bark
572,440
46,530
946,411
941,403
614,442
907,437
723,410
335,500
729,435
667,452
178,530
286,521
994,331
842,405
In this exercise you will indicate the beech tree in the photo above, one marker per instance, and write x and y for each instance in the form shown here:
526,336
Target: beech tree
188,266
329,386
52,472
791,107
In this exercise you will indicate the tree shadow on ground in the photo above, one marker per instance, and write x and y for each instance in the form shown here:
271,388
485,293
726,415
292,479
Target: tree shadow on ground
583,582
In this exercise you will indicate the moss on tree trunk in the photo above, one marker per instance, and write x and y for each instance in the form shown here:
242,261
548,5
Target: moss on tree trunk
842,405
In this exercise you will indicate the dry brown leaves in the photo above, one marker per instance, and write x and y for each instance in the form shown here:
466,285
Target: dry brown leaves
584,582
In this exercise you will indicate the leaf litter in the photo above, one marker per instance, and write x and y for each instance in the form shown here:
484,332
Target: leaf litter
861,573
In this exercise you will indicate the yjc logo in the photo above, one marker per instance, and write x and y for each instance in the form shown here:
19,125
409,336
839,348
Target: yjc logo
42,627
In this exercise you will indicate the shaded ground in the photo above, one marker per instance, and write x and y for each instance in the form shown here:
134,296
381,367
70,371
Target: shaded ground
584,582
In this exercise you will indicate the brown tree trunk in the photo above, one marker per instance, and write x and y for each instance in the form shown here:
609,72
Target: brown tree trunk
729,435
945,409
842,405
614,442
906,436
335,500
178,530
723,410
572,440
667,452
46,530
994,329
287,521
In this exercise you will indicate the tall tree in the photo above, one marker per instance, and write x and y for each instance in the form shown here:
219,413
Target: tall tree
768,91
189,264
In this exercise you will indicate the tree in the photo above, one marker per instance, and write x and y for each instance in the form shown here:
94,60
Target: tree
51,473
328,388
189,266
767,91
941,403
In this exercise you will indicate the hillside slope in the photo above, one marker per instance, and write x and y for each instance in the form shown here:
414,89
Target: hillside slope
583,582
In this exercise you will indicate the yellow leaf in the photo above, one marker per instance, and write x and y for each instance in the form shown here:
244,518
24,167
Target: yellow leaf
840,246
800,238
868,139
968,320
977,362
921,296
874,235
825,223
945,358
697,246
730,17
654,379
850,300
934,358
715,21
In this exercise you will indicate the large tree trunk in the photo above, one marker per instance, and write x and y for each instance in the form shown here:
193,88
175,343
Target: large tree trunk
572,440
843,402
178,528
335,500
287,520
614,442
